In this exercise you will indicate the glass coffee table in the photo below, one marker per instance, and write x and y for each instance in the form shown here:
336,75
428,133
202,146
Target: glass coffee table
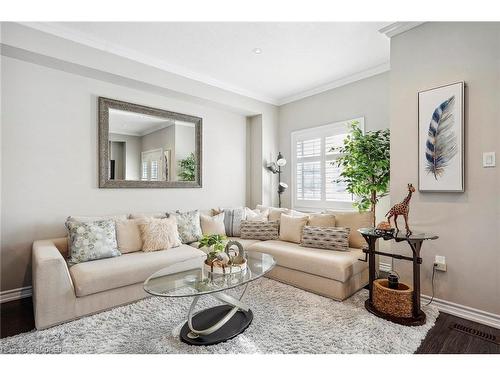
216,324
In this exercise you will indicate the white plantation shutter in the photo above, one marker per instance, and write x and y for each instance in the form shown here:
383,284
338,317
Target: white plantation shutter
314,175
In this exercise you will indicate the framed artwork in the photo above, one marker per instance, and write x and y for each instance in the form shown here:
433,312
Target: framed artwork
441,139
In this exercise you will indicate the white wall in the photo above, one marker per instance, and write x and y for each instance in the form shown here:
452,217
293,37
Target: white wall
49,159
368,98
468,224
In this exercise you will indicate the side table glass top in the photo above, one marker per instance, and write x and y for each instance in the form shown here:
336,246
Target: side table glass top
398,235
187,280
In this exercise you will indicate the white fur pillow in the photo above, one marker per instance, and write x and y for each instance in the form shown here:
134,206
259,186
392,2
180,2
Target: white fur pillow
159,234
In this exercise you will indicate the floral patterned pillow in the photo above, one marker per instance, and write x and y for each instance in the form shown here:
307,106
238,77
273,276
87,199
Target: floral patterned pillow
188,225
91,240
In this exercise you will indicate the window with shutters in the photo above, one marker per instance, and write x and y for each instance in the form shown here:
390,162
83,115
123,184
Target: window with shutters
314,176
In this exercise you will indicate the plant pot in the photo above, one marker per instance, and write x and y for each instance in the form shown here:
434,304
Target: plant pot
226,270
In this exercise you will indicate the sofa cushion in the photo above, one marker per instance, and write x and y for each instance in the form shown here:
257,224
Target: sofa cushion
291,227
91,240
128,235
232,219
213,224
274,212
188,224
159,234
353,221
321,220
105,274
259,230
329,238
336,265
256,215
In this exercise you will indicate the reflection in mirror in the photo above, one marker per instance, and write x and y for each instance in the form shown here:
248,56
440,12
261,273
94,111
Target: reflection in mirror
147,147
150,148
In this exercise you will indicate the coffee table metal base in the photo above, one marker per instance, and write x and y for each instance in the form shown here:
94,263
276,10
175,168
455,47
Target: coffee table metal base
206,319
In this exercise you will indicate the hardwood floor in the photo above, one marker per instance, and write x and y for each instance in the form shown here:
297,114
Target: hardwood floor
17,317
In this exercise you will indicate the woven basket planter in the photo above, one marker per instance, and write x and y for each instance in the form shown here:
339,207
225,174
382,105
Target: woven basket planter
395,302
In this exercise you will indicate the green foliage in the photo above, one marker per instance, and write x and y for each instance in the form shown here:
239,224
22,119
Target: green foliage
215,242
365,163
187,168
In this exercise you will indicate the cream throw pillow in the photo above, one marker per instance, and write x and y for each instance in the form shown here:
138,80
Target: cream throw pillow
274,212
256,215
128,235
291,228
213,224
159,234
321,220
353,221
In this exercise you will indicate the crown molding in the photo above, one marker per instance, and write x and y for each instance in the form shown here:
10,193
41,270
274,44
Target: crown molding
337,83
397,28
102,45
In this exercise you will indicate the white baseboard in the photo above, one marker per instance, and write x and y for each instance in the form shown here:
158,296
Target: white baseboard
466,312
13,294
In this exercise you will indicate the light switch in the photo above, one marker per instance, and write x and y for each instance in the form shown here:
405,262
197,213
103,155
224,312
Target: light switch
488,159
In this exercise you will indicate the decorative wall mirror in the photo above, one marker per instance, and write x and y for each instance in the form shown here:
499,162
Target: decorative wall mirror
143,147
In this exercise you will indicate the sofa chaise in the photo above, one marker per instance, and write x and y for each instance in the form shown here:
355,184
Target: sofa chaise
62,293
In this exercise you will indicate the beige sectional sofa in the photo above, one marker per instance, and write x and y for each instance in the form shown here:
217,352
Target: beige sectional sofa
62,293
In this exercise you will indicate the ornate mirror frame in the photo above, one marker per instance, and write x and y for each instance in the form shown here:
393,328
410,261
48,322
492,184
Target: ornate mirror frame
104,105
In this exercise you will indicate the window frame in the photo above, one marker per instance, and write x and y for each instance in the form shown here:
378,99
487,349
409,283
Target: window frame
320,131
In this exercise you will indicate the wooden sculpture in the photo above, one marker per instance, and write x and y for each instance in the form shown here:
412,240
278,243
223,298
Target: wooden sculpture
402,208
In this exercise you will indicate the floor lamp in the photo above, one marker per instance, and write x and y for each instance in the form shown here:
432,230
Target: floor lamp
275,168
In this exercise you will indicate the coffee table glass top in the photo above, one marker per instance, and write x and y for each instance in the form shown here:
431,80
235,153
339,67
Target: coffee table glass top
185,280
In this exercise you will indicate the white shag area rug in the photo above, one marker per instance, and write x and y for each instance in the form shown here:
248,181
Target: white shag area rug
286,320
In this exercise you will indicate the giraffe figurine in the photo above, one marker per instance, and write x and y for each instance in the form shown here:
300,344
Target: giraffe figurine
402,208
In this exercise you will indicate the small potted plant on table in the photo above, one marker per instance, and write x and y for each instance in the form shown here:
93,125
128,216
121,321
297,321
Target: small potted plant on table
220,258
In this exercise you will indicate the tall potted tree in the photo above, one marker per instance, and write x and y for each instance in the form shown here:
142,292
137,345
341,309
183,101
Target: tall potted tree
365,164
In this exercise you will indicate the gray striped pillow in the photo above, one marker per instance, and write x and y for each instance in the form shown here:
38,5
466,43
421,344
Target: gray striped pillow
259,230
330,238
232,219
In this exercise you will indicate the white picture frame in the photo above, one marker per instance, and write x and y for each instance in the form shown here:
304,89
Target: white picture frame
441,151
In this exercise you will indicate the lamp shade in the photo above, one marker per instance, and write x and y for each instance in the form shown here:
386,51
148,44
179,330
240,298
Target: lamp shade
282,187
281,161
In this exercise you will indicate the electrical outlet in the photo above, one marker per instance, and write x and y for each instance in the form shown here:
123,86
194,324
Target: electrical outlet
440,263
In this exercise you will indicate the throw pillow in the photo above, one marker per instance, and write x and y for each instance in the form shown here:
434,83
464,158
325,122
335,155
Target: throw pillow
259,230
188,224
128,235
321,220
232,219
91,240
213,224
159,234
291,228
274,212
256,215
353,221
151,215
330,238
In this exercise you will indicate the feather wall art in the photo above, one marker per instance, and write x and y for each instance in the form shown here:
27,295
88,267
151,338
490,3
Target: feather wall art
441,145
441,138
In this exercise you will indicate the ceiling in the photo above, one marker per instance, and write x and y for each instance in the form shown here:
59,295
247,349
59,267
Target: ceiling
297,59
